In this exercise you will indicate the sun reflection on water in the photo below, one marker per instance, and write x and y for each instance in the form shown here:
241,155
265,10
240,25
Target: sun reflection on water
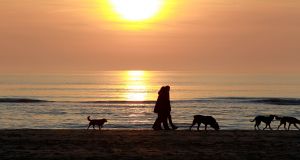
136,85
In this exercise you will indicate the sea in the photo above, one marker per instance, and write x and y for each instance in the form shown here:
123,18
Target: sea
126,98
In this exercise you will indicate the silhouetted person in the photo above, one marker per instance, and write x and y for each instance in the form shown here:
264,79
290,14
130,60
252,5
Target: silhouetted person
163,109
167,88
158,104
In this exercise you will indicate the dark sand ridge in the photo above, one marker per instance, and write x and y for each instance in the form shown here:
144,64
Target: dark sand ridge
148,144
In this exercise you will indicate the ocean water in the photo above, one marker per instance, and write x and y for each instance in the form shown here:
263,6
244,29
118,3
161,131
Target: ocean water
127,98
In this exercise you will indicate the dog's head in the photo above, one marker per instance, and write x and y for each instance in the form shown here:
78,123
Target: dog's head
104,120
215,126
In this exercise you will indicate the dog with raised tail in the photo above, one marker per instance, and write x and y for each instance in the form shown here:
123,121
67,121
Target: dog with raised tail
266,119
98,122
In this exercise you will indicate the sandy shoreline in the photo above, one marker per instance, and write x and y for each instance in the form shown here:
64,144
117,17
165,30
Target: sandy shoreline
147,144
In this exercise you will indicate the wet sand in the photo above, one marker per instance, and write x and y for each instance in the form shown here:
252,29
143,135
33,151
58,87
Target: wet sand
148,144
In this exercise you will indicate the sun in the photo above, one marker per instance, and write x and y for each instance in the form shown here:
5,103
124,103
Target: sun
136,10
134,15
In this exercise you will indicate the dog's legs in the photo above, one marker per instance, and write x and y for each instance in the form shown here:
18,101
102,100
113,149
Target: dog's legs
99,127
284,125
205,127
296,126
279,126
265,126
289,126
89,126
93,126
258,127
198,126
191,127
270,126
257,124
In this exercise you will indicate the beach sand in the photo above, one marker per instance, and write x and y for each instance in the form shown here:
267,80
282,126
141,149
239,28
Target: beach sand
148,144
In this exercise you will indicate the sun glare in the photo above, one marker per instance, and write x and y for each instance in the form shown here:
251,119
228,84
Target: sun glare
134,14
136,10
136,75
136,85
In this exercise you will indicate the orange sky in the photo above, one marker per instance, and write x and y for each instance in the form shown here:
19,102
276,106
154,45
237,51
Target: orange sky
210,36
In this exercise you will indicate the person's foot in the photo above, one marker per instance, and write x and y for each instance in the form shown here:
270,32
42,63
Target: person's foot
157,128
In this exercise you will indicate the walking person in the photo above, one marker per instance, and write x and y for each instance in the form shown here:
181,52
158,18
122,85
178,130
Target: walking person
168,104
163,110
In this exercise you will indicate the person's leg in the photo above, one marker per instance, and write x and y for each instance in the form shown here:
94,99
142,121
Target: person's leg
165,121
157,123
171,123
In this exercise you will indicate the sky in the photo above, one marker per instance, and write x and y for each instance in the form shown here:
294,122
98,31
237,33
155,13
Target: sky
211,36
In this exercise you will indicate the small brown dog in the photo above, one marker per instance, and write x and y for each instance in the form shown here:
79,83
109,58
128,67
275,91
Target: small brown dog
98,122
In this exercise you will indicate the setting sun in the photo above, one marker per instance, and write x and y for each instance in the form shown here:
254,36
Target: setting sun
136,10
134,14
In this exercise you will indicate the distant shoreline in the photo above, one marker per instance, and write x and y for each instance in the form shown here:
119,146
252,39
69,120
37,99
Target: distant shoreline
246,100
148,144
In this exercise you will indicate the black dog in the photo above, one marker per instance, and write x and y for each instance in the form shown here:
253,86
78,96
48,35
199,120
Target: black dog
289,120
265,119
206,120
98,122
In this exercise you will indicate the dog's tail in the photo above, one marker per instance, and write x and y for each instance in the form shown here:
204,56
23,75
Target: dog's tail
88,118
253,120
